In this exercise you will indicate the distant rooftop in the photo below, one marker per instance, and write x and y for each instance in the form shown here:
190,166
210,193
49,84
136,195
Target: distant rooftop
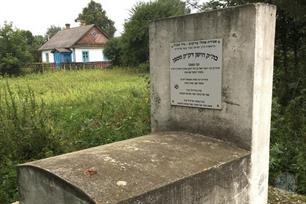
66,38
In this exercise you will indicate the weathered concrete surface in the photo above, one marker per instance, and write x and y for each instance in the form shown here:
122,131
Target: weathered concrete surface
261,103
161,168
247,71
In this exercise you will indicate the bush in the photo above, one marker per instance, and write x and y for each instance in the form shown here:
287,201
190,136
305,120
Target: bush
113,51
132,48
25,134
42,115
14,50
288,144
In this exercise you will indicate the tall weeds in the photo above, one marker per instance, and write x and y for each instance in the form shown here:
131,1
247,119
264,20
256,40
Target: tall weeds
42,115
25,134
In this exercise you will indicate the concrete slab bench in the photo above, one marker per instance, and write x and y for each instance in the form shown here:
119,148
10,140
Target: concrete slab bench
168,167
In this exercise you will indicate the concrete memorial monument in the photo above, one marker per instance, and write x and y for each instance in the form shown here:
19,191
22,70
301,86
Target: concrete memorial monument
211,89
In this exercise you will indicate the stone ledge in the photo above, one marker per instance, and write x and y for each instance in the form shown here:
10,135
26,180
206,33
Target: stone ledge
158,168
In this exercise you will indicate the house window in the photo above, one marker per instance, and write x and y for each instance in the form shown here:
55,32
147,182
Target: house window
47,57
85,56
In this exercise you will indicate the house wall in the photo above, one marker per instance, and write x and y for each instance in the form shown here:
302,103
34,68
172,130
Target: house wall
73,55
43,56
95,54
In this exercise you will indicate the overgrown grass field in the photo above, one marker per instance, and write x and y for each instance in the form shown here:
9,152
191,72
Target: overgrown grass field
42,115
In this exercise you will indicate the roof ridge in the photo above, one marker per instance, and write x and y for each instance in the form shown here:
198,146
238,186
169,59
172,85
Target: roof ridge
70,36
78,27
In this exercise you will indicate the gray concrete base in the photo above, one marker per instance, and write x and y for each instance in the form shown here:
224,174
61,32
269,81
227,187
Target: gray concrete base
161,168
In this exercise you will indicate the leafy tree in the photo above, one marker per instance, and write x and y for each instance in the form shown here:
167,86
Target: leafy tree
290,45
51,31
14,49
34,43
135,39
38,41
113,50
94,14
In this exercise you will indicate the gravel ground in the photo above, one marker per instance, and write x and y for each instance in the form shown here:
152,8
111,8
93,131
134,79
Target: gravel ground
277,196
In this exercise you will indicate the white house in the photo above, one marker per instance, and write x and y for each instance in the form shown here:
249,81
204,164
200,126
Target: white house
80,44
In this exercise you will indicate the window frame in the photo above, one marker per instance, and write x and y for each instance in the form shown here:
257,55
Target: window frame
47,57
85,56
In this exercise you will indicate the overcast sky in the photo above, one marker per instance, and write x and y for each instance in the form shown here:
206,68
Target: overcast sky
38,15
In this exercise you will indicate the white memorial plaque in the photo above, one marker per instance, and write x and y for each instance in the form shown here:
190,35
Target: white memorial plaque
196,73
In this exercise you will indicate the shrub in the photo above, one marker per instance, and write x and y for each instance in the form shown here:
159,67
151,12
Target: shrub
25,134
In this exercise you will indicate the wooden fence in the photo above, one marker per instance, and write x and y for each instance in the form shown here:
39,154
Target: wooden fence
43,67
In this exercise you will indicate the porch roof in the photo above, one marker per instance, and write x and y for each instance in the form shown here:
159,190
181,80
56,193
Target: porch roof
62,50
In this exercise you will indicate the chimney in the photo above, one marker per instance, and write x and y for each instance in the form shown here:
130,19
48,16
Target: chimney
67,26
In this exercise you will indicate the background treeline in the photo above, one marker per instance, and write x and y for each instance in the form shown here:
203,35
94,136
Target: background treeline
132,48
20,47
17,48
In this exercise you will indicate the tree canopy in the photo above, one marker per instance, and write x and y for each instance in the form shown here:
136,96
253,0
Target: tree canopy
51,31
94,14
113,51
134,42
14,49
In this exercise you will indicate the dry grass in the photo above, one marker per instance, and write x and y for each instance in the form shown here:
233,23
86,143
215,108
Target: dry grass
277,196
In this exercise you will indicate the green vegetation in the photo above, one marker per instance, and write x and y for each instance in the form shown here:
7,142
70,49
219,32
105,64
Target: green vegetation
51,31
132,48
17,48
94,14
14,50
47,114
